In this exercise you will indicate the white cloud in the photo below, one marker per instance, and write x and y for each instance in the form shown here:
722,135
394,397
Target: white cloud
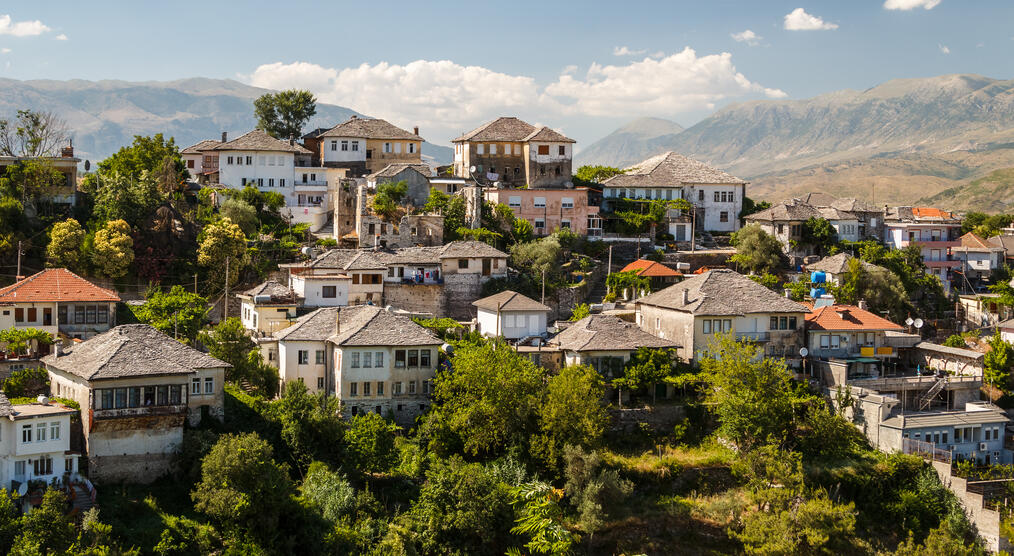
61,37
910,4
21,28
626,51
5,51
676,83
748,36
943,49
799,20
567,70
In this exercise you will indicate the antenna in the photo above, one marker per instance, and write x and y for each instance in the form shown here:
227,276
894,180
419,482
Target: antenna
918,323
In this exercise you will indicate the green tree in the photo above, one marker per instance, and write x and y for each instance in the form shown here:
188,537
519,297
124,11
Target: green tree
122,197
956,341
283,114
29,179
9,525
819,233
767,280
311,425
751,395
593,491
880,288
572,413
47,529
154,158
65,241
580,311
997,362
241,213
220,241
524,231
814,525
595,174
756,251
113,249
229,341
24,340
370,440
328,491
752,207
541,519
242,487
387,201
176,312
647,368
491,399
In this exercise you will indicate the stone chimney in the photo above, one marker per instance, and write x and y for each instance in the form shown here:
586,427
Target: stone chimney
863,305
68,151
338,321
787,292
415,130
292,140
225,136
686,296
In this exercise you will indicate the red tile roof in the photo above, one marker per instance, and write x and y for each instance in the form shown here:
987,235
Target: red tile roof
650,269
847,317
930,212
55,284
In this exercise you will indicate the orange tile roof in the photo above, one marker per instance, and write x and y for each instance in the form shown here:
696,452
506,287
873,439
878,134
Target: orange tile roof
975,242
650,269
847,317
55,284
930,212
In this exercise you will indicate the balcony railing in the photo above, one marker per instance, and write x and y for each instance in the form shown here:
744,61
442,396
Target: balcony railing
754,336
152,410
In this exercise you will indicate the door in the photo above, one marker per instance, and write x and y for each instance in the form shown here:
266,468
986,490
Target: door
681,233
487,267
47,317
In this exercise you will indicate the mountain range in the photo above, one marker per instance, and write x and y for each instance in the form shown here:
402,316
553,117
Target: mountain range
900,142
105,115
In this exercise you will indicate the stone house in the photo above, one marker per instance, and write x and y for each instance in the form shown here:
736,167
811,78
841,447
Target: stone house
302,350
716,195
416,178
136,386
979,259
605,343
869,217
693,311
60,302
785,221
975,433
935,231
510,315
366,145
854,338
549,209
201,160
516,154
268,307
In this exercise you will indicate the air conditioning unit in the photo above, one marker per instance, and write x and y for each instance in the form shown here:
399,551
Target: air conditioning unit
983,447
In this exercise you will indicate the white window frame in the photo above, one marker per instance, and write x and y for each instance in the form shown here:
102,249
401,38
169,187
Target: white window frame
567,202
540,202
514,201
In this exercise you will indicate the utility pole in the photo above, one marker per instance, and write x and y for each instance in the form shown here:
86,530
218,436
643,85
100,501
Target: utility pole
18,275
609,267
543,286
195,283
225,300
693,229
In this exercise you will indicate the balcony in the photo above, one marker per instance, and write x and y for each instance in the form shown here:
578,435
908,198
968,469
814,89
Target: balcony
754,336
318,185
150,411
932,243
941,263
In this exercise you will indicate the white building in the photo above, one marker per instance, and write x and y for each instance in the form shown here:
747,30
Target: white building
716,195
268,307
511,315
35,444
979,259
302,349
935,231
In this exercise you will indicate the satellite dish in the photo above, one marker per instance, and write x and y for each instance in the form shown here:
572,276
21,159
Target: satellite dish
471,169
909,321
918,323
803,352
88,165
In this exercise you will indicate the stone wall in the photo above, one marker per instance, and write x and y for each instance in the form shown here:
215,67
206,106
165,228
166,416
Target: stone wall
985,520
415,298
660,417
460,290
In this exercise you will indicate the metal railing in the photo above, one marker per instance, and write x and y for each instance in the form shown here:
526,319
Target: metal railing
925,450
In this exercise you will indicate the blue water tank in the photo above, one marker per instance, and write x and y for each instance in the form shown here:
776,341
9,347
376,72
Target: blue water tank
818,277
817,292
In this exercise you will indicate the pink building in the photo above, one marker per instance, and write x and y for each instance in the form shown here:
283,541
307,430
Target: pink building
550,209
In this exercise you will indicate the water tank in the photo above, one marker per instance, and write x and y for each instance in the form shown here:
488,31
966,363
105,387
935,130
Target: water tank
818,277
42,399
817,292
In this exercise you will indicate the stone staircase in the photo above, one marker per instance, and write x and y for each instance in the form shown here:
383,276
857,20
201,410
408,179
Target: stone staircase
82,499
327,230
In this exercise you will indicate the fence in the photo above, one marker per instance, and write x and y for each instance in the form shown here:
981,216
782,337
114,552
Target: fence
925,450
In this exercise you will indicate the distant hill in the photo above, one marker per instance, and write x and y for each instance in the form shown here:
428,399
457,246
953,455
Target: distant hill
105,115
630,144
992,193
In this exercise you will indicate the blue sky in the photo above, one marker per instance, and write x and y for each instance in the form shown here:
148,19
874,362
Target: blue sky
584,68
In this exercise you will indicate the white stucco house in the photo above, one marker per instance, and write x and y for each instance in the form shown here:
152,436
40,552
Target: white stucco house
511,315
268,307
35,444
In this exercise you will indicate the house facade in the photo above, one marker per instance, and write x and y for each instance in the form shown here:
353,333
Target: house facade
785,222
605,343
717,196
549,210
201,160
65,191
60,302
935,231
136,386
978,260
660,275
516,154
511,315
35,444
366,145
974,434
302,350
268,307
692,312
853,337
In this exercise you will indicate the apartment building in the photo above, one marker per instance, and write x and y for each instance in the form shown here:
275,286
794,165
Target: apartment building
935,231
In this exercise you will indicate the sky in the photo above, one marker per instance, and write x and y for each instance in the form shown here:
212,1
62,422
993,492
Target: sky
583,68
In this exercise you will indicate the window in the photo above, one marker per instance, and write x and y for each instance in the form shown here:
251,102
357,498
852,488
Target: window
190,163
40,432
195,386
411,148
334,145
462,263
387,147
121,398
354,360
479,149
19,314
399,358
353,391
68,464
792,323
103,314
380,388
517,170
367,359
319,357
355,146
567,202
514,201
175,394
43,465
563,150
249,161
329,292
378,359
106,398
492,148
540,223
540,202
700,195
413,358
260,182
723,216
366,388
320,383
229,160
543,149
424,358
411,387
33,314
716,196
706,324
396,389
209,385
303,356
26,433
565,223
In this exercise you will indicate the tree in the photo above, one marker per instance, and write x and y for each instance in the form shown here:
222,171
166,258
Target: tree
283,114
572,413
28,179
997,362
113,249
312,426
813,525
769,281
451,207
26,383
23,340
370,440
47,529
242,487
328,491
65,241
524,231
33,134
756,251
541,519
647,368
819,233
751,395
595,174
122,197
146,156
580,311
220,241
241,213
229,341
8,521
490,399
956,341
593,491
539,256
752,207
387,202
176,312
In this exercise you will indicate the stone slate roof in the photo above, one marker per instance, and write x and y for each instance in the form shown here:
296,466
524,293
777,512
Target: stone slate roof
392,170
670,169
279,292
259,140
791,210
960,352
722,292
501,129
509,301
6,409
466,249
369,259
315,326
1004,242
206,145
368,325
55,284
131,350
820,199
851,204
831,213
546,135
607,333
836,264
370,128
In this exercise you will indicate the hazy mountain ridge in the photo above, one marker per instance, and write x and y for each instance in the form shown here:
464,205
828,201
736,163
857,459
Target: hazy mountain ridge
105,115
631,143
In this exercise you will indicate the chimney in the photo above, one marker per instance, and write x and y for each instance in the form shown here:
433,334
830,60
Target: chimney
292,140
787,292
337,320
225,136
686,296
354,117
863,305
68,151
415,130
